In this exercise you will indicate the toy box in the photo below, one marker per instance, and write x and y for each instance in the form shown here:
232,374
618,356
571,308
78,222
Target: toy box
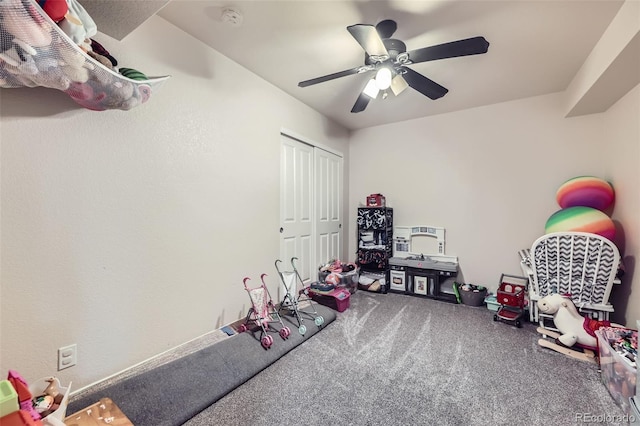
618,371
376,200
39,386
337,298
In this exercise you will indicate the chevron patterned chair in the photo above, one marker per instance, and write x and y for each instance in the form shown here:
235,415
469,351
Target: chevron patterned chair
579,264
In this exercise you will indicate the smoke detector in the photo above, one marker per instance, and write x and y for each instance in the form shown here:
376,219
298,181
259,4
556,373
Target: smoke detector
232,16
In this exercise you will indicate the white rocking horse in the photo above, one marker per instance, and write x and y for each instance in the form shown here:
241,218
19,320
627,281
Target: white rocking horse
575,330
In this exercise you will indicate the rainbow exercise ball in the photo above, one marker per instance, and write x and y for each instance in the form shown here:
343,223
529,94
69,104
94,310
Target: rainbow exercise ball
581,219
585,191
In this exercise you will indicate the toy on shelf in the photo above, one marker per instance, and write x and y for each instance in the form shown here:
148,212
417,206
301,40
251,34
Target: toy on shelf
574,329
35,51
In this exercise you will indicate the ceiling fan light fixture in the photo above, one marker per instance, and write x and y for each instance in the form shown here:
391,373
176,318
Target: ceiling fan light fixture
371,89
383,78
398,84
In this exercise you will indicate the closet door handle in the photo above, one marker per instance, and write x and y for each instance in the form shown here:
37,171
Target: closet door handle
281,229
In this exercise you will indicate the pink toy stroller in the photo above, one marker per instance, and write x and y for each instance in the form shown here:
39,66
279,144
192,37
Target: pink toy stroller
262,312
293,297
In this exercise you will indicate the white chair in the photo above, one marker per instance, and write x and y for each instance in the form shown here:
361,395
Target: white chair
579,264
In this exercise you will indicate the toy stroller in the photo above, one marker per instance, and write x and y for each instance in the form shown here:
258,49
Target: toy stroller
510,296
293,297
262,312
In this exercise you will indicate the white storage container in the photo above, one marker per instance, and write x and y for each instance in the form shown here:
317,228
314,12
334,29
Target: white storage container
618,373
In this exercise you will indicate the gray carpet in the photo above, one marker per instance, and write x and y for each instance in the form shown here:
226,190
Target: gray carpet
396,359
172,393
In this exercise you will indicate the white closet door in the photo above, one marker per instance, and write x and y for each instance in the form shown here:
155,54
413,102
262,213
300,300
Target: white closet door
328,219
310,207
296,207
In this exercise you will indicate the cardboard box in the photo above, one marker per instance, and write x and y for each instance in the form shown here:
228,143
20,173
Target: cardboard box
101,413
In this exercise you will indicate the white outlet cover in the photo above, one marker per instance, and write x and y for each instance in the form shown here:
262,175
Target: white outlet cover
67,356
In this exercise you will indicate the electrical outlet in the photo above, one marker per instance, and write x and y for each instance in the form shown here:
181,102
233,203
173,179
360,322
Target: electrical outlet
67,356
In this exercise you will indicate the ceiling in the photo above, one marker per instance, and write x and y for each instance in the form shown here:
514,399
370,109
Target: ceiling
536,47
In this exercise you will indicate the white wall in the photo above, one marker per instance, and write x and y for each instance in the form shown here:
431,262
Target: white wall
489,175
129,233
622,145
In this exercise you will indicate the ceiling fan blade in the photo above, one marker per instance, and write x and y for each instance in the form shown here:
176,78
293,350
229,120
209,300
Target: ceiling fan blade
335,75
361,103
369,39
386,28
469,46
422,84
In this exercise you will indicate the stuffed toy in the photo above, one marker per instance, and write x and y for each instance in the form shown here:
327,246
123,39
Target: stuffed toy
100,50
19,61
132,74
51,75
75,64
102,59
21,25
56,9
78,25
574,328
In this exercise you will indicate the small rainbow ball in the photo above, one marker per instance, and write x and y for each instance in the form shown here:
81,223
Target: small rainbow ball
585,191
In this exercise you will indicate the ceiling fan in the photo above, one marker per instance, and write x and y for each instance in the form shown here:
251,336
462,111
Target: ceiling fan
390,59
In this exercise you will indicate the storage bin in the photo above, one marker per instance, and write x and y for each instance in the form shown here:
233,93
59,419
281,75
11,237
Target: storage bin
38,388
337,299
618,373
348,280
492,303
474,297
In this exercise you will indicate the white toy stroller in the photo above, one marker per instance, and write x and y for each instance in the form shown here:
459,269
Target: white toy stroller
293,297
262,312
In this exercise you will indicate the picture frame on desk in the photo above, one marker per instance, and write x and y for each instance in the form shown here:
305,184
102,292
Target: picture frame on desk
420,285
